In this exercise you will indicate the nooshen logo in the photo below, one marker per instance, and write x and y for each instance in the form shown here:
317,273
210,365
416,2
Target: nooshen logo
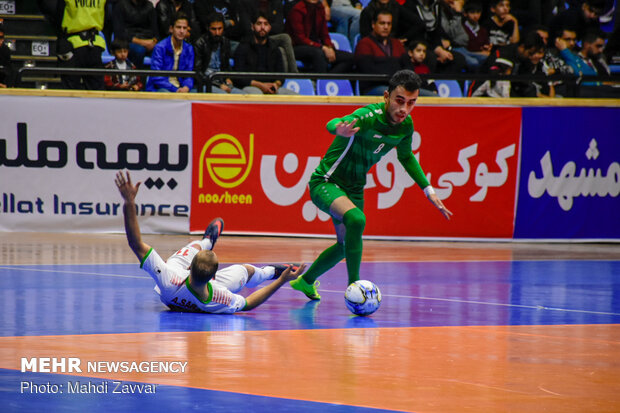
225,160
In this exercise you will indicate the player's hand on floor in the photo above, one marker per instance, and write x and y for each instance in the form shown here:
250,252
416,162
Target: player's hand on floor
290,275
440,206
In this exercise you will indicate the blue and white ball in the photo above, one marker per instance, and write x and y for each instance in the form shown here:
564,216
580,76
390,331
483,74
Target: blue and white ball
362,297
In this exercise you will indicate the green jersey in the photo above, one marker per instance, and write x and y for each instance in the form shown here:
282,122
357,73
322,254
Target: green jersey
348,160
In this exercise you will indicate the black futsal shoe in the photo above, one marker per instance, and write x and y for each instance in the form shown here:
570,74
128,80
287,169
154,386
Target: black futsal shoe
214,230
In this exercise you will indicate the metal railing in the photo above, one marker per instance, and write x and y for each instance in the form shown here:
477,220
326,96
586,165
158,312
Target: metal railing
573,82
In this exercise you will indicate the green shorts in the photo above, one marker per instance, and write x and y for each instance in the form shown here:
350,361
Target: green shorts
323,194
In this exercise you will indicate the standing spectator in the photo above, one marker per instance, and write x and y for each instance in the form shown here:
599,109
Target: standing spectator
213,54
81,24
229,9
580,19
5,61
379,53
136,22
173,53
307,26
502,26
259,54
120,49
346,15
275,10
167,9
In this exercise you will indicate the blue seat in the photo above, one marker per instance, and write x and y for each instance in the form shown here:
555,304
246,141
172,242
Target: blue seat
356,40
449,89
301,86
364,2
106,57
334,87
341,42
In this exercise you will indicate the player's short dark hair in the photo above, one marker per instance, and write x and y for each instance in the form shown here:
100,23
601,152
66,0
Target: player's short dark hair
406,78
202,268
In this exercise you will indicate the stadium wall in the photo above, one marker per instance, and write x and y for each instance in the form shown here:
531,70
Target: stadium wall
508,169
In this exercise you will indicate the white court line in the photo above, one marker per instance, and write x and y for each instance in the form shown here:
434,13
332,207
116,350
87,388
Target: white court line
76,272
454,300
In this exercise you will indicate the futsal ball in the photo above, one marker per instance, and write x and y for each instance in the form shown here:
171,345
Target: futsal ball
362,297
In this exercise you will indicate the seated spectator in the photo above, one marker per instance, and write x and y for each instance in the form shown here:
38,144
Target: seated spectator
167,9
502,26
590,61
5,61
136,22
552,62
307,26
406,24
259,54
417,50
441,58
229,9
275,10
379,53
580,19
213,54
478,43
527,57
120,49
173,53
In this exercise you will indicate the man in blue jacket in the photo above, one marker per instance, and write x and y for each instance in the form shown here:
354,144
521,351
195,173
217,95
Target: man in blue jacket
173,53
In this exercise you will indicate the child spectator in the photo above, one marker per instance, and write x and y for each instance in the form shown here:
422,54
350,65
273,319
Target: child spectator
417,50
479,45
503,27
120,49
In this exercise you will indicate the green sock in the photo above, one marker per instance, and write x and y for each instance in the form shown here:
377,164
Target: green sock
354,221
328,258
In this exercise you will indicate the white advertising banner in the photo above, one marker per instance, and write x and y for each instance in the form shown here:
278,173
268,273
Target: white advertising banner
59,156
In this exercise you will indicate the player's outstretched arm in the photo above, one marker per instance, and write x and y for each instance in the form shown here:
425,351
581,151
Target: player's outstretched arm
132,229
260,296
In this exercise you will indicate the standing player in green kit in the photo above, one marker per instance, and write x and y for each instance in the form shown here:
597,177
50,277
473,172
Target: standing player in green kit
337,184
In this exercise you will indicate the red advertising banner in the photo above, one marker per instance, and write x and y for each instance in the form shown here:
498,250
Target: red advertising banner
252,163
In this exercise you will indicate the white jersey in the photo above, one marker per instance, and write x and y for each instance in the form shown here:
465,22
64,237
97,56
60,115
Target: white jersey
174,290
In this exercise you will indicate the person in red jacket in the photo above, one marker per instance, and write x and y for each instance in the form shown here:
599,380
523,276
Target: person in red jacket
379,53
307,25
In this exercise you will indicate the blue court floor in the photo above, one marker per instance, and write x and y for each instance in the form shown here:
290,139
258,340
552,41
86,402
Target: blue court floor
42,303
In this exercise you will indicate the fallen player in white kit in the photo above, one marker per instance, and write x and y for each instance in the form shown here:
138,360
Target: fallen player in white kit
190,280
